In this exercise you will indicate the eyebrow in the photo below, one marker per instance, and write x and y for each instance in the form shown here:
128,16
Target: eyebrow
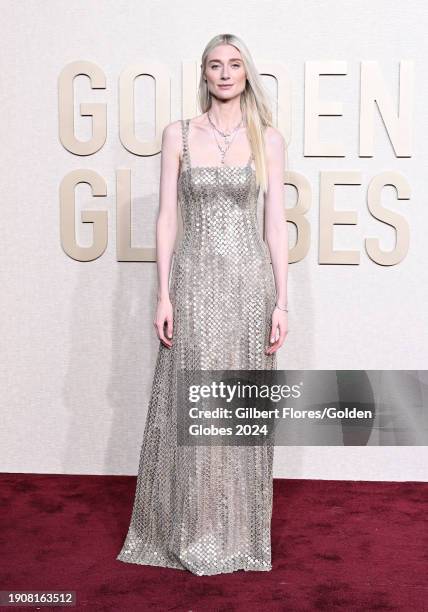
233,59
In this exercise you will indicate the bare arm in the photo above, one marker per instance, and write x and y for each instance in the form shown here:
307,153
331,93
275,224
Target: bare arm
276,231
166,227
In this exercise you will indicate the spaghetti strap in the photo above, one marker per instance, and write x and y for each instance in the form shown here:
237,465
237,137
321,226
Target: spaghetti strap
185,133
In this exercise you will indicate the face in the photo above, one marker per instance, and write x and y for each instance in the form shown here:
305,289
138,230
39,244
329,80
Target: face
224,66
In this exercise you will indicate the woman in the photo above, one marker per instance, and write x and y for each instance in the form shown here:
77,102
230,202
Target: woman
201,508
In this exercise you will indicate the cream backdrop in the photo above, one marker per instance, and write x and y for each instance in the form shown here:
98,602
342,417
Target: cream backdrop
78,342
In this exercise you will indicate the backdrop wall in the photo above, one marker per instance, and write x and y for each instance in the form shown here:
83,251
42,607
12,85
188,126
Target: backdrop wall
77,337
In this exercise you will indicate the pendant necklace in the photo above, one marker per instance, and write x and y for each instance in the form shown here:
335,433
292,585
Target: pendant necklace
226,136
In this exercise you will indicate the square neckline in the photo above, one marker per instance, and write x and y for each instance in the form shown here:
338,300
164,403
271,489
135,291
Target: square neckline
185,126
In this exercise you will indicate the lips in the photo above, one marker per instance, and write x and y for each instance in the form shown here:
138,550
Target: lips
225,86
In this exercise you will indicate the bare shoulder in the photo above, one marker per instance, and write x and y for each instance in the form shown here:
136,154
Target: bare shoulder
274,142
273,137
172,137
171,131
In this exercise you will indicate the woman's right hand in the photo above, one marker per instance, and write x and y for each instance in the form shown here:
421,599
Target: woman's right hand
164,321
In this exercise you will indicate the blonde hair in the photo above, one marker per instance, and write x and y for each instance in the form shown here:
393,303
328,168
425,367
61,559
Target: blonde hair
255,107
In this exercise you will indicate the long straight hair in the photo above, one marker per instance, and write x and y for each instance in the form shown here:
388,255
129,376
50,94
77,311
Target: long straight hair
255,107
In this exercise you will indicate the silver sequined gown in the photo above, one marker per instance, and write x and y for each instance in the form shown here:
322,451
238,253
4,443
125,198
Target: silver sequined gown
208,509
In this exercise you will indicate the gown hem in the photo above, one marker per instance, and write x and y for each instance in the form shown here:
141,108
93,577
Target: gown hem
144,560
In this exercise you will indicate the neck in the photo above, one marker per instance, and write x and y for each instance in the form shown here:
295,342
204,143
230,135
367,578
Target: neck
226,115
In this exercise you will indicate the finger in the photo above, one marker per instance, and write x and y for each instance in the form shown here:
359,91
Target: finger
273,333
169,327
271,349
274,347
272,336
161,333
278,343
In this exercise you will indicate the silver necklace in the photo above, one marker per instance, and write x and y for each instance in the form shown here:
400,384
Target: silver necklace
226,136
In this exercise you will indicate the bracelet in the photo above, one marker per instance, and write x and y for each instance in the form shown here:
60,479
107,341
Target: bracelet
285,309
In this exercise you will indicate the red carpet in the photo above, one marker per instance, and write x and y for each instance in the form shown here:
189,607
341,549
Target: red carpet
335,546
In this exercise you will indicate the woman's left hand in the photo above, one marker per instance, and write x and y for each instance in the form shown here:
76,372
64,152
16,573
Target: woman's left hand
278,331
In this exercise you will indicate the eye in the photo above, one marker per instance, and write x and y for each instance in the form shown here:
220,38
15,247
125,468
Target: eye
217,65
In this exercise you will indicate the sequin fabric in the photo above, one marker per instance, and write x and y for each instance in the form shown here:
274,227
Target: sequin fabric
207,509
